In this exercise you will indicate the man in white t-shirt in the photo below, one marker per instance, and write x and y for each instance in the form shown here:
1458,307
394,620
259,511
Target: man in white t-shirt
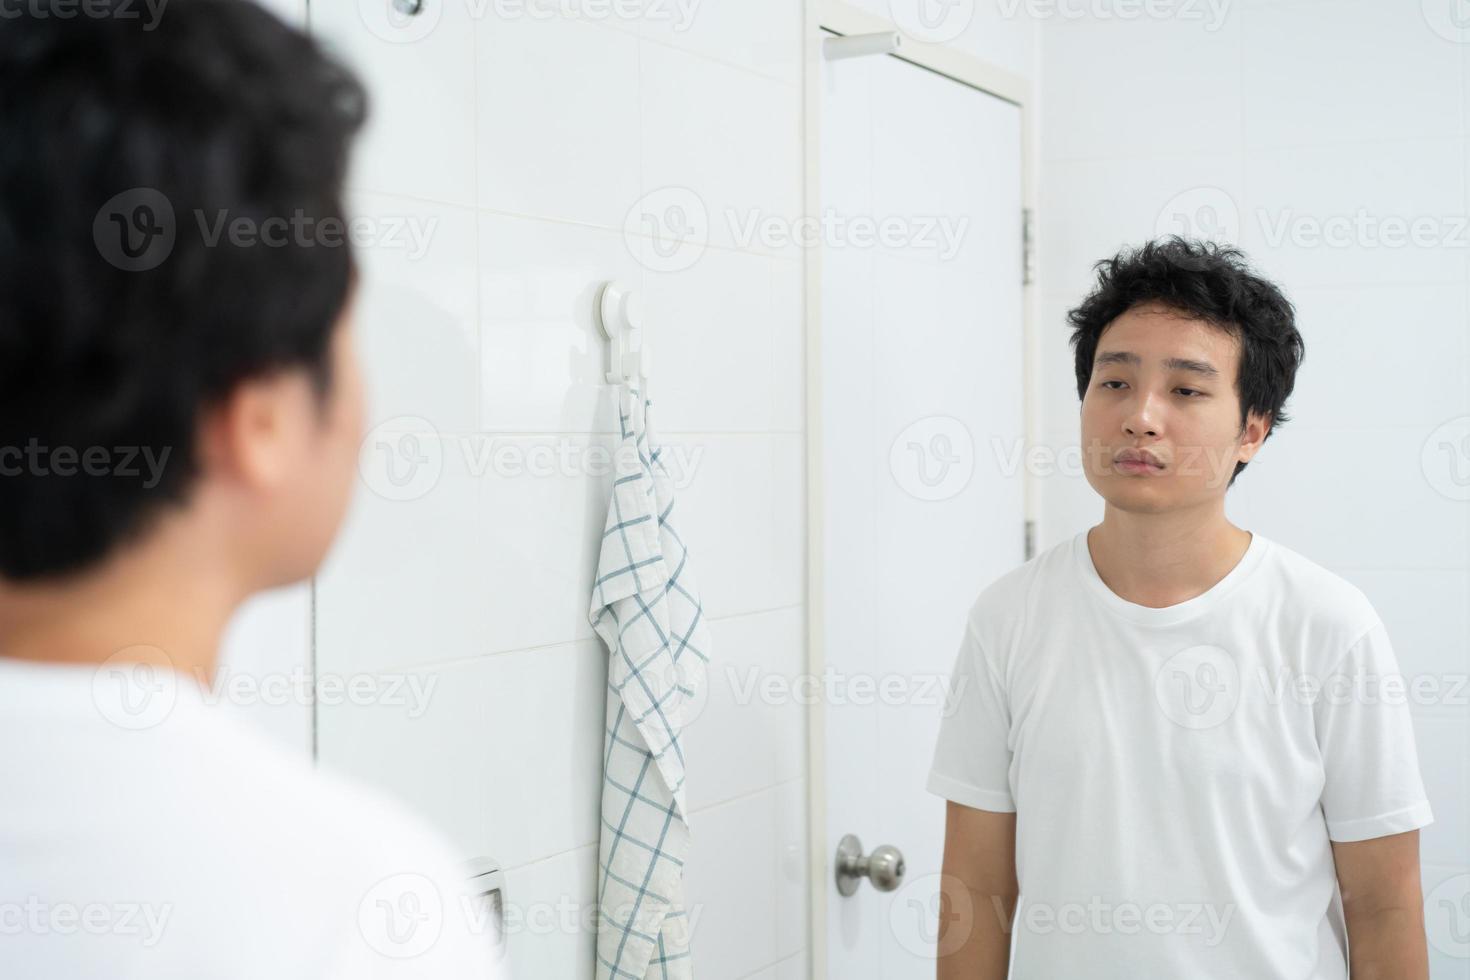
1172,748
180,416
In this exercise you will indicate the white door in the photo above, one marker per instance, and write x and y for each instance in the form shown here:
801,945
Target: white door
922,486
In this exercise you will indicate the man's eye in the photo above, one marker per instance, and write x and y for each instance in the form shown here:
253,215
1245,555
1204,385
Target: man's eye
1106,383
1190,390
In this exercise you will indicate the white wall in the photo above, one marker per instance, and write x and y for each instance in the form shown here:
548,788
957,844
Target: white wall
528,142
1294,115
264,674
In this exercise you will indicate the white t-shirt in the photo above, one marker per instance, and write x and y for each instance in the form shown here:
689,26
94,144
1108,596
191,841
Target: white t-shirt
155,837
1176,779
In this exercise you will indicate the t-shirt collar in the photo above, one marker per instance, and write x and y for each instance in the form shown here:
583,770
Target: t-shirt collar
1180,611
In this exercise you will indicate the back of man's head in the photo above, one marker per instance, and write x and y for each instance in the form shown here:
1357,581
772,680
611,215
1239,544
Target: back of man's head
170,225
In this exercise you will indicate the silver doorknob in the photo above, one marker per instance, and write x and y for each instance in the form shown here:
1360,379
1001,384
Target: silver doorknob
884,867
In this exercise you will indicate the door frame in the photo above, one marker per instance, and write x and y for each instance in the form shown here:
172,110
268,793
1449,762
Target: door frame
841,17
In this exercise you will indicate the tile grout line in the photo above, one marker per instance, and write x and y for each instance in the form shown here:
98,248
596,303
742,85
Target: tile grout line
574,641
792,254
704,809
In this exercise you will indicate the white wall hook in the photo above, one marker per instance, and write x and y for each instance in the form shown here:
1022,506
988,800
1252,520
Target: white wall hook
858,45
620,318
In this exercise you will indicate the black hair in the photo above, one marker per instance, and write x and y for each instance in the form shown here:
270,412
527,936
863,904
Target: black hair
129,153
1210,282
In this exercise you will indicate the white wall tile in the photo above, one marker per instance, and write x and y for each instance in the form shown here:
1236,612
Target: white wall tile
544,362
1320,215
788,347
1186,70
268,642
790,968
790,900
731,138
1417,380
749,889
749,730
1465,102
417,338
543,506
744,518
419,140
762,36
496,554
474,754
551,924
405,581
730,886
1346,72
1058,404
1092,208
724,333
560,143
1305,486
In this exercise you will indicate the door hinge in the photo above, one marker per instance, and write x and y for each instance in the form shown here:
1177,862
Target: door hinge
1028,248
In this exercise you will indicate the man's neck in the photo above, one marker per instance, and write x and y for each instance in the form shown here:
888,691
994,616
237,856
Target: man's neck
161,605
1162,560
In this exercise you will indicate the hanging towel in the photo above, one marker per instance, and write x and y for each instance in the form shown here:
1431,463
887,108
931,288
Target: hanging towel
646,608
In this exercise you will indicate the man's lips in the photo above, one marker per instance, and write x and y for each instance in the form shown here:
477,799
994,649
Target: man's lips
1138,460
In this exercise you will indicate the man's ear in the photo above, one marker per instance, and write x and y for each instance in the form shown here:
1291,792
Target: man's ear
246,436
1253,434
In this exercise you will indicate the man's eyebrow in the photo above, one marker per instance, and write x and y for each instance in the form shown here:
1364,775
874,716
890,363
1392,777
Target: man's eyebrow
1171,363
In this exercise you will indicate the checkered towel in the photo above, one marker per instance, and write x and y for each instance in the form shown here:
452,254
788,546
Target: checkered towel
645,606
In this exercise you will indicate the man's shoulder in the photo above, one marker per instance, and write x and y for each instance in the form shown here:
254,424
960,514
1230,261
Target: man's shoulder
227,836
1009,601
1317,594
356,851
1318,606
318,812
1007,593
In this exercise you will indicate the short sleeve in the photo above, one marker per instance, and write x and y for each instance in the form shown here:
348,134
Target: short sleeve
1365,734
972,758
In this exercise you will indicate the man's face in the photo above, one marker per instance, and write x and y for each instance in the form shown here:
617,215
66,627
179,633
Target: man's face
1163,384
317,465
